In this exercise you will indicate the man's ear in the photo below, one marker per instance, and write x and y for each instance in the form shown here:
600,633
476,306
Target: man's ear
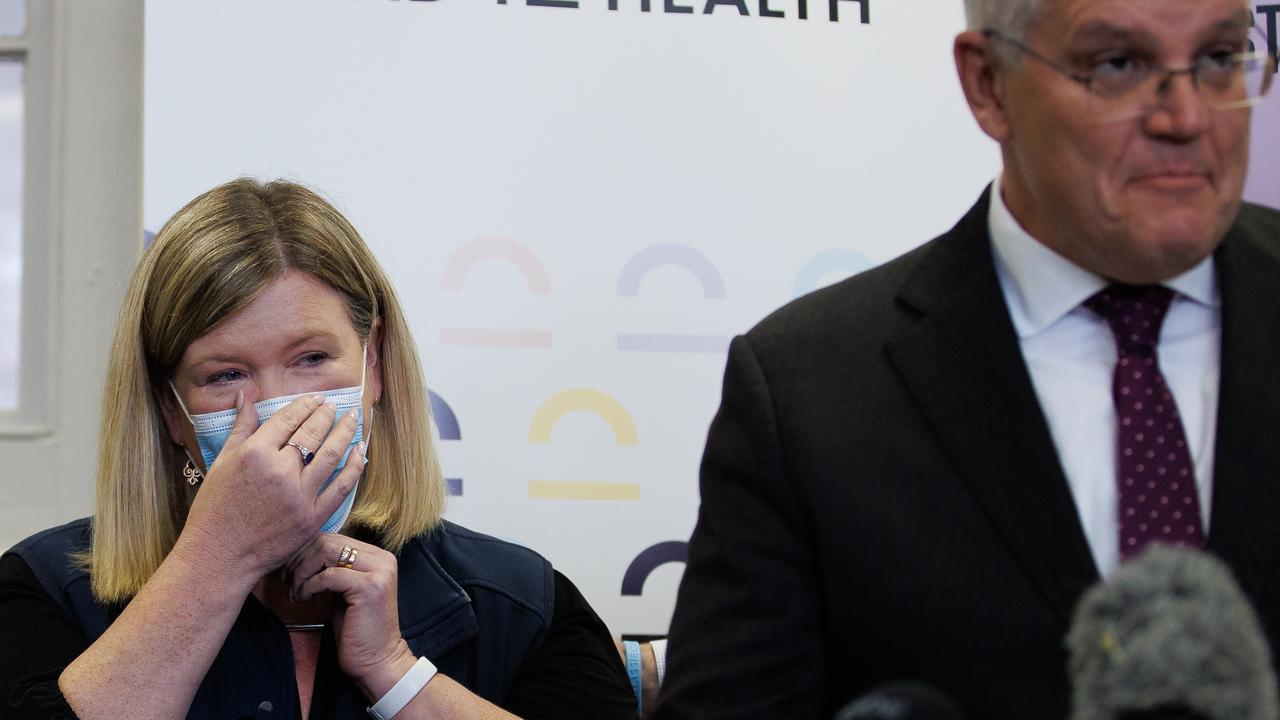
979,72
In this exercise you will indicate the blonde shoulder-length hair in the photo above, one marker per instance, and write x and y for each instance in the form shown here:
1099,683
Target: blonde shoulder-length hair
211,259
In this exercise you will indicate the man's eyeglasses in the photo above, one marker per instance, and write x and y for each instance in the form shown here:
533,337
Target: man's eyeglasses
1126,84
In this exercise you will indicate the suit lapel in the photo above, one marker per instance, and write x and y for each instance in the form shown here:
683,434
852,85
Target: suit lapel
963,365
1243,526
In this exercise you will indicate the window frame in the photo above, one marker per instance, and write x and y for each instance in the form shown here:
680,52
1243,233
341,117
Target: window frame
34,414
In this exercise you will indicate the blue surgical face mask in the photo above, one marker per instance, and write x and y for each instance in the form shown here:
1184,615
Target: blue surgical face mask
213,429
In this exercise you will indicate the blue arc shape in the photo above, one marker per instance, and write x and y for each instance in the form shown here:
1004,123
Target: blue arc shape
649,560
847,262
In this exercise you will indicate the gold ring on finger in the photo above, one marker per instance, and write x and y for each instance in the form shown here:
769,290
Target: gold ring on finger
347,557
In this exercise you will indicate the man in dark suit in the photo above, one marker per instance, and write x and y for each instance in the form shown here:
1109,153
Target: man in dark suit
914,474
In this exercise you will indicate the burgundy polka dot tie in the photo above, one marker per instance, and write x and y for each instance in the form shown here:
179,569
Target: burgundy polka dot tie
1156,480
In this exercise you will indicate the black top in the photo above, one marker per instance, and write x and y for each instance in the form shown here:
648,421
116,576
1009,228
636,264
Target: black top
40,640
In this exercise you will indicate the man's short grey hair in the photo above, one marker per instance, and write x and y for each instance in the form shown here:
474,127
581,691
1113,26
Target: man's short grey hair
1013,17
1010,17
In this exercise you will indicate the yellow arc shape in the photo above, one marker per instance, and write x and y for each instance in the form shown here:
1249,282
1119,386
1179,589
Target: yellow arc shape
588,400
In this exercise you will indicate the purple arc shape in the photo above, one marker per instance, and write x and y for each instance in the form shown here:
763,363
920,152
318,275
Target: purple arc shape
655,256
446,420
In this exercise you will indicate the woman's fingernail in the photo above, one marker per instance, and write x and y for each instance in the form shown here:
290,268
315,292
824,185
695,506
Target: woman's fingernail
364,459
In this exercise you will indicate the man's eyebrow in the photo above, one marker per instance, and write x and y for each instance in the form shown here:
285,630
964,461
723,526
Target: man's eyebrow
1104,31
1239,23
1101,30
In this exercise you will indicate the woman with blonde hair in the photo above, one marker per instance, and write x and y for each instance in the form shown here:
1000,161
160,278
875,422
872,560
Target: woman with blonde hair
267,540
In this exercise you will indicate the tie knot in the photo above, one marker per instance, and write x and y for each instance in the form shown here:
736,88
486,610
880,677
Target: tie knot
1134,312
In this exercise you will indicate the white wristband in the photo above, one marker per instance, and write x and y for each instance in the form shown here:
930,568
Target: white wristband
402,692
660,658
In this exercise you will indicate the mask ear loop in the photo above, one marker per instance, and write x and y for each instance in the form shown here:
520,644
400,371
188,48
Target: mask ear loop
368,425
192,471
182,404
364,362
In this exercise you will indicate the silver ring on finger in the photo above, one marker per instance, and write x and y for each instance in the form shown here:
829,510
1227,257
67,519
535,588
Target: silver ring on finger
307,455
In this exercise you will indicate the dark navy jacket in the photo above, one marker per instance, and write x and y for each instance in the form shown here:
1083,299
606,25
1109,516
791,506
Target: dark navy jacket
463,597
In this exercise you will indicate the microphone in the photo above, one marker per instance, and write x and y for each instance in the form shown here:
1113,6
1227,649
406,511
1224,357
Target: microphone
901,701
1170,637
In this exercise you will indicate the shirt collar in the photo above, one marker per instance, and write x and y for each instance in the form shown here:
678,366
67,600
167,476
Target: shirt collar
1041,286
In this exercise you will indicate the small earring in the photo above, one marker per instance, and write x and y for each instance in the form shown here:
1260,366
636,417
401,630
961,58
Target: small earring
192,473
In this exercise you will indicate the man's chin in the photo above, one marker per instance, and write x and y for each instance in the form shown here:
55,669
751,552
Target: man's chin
1191,226
1171,249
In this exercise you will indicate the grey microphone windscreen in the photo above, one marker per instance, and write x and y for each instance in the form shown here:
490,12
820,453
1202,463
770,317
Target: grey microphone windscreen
1172,633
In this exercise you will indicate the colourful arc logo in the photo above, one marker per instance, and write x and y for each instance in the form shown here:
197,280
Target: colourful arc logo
683,256
522,258
651,559
447,427
624,433
818,267
701,268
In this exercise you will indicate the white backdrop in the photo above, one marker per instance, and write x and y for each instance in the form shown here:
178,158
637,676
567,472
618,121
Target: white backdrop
579,207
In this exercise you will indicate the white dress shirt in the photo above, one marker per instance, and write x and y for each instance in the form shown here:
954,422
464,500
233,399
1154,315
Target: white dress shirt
1071,355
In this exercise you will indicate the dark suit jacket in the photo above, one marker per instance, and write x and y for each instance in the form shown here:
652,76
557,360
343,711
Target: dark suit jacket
881,497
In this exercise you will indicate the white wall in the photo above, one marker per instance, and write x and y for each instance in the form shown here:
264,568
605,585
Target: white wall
467,139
